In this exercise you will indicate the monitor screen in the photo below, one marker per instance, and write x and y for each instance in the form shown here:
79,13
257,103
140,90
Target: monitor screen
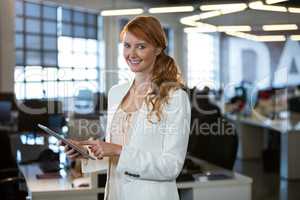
5,111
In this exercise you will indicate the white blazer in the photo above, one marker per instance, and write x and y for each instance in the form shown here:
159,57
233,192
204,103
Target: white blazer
154,157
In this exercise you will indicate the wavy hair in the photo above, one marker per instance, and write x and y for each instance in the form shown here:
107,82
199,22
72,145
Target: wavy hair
166,75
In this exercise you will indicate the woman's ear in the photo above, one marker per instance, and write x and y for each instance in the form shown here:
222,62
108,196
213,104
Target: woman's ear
158,51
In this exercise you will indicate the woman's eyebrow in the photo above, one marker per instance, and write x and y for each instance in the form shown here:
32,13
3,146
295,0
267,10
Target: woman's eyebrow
140,43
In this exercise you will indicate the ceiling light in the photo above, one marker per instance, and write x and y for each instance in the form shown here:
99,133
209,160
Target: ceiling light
258,5
274,1
190,20
171,9
295,37
270,38
122,12
294,10
210,14
260,38
280,27
232,10
223,6
233,28
201,29
242,35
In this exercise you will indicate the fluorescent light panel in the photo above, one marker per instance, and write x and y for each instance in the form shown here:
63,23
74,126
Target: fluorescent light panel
233,28
203,29
223,6
241,35
210,14
258,5
171,9
260,38
271,38
294,10
136,11
280,27
274,1
190,20
232,10
295,37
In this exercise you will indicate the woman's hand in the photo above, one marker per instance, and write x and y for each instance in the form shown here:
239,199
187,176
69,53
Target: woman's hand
102,149
71,153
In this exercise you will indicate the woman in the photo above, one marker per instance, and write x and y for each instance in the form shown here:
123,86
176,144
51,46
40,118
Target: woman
148,120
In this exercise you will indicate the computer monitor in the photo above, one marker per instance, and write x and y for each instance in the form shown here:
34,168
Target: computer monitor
10,97
5,111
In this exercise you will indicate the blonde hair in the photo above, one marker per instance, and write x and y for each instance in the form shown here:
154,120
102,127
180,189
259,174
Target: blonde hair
166,75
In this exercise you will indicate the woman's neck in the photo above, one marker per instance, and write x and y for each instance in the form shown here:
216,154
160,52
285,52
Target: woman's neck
140,79
142,82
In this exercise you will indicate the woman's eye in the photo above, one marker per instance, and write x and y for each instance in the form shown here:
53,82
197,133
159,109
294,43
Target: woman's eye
141,47
126,45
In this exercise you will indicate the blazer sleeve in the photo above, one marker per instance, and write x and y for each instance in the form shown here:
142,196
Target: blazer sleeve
166,165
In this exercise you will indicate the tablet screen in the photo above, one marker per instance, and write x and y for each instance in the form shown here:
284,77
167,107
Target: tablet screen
59,137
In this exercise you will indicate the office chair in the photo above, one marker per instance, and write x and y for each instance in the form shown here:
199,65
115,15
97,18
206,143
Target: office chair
218,144
12,182
12,185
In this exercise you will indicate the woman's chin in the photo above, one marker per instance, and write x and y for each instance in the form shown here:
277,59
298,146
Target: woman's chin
134,69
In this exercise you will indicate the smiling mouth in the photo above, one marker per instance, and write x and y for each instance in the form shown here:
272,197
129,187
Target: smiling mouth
134,62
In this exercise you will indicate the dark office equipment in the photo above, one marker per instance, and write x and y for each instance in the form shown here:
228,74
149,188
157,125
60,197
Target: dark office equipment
189,169
49,161
12,182
101,180
10,97
294,104
100,102
5,111
212,137
37,111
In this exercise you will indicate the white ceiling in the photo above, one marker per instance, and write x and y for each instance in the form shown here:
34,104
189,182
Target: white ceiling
255,17
248,17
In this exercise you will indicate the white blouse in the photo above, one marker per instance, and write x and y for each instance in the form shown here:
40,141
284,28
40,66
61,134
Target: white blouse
122,122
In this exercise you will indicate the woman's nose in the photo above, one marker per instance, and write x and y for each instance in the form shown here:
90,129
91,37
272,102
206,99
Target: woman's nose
132,52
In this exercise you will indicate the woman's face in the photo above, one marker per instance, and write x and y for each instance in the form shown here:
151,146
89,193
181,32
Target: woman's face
139,54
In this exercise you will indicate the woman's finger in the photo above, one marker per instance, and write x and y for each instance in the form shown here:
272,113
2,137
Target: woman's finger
70,152
99,154
75,155
66,148
88,142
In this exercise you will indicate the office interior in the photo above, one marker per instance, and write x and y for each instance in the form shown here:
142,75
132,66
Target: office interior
241,64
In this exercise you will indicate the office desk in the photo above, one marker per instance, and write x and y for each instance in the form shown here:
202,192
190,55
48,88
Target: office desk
58,188
251,132
238,188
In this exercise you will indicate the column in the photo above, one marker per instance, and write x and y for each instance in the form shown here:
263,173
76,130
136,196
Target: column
7,45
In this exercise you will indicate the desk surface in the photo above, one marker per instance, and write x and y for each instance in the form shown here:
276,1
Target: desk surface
61,187
237,179
57,185
283,125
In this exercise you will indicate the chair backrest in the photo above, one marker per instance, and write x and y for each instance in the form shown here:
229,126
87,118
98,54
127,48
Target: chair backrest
223,146
218,146
212,137
47,113
11,179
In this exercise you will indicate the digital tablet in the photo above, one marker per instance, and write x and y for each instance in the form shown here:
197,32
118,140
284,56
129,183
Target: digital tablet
70,144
